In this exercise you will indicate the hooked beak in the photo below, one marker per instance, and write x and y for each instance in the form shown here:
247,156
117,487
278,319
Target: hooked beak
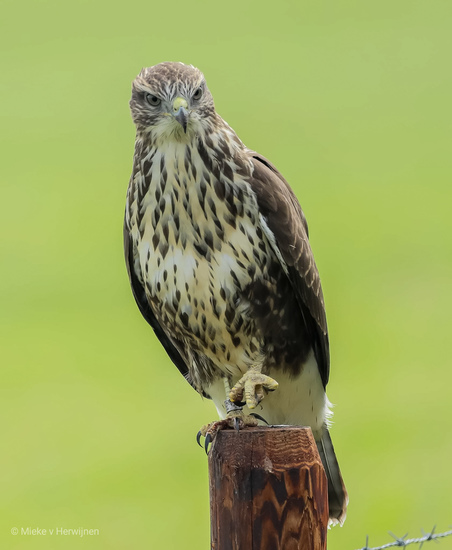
180,112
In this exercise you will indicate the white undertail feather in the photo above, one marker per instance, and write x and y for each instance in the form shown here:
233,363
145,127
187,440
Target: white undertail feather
298,401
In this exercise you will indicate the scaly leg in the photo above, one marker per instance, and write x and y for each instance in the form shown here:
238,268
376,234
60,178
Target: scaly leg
250,388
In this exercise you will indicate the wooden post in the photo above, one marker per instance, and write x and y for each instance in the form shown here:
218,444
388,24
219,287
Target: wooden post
268,490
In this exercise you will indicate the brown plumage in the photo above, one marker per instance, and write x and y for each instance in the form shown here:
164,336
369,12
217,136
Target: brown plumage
220,264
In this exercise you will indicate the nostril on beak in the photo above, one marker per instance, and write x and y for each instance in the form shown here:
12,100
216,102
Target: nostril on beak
178,103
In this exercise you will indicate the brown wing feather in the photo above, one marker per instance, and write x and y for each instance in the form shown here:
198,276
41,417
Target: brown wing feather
285,219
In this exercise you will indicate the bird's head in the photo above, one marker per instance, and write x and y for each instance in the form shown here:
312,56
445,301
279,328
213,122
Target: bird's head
171,101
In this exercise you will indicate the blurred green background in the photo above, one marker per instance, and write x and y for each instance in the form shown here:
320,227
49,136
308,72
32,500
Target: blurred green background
352,102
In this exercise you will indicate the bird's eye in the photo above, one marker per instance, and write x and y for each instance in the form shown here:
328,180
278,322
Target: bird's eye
198,94
153,100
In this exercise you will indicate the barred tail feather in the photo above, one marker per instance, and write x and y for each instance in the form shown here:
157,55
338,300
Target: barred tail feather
337,493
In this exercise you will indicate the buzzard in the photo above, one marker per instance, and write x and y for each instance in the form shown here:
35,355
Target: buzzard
220,265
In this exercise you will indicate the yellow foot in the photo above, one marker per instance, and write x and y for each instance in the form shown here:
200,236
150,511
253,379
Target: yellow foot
235,419
252,386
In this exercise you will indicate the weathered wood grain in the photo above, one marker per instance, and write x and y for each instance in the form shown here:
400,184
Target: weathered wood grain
268,490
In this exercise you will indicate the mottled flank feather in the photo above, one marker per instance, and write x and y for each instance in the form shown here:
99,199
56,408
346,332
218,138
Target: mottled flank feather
219,258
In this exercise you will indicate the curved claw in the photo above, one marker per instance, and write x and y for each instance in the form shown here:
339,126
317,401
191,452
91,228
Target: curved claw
236,424
259,417
207,442
198,438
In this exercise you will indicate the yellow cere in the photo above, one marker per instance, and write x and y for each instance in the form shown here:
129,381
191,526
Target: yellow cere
178,103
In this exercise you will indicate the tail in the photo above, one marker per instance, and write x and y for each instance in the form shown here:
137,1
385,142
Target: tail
337,493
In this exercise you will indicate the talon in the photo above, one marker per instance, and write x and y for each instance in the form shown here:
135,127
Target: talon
207,442
259,417
234,420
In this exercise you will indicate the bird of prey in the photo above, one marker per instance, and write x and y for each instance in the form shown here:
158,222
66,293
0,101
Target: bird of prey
220,265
